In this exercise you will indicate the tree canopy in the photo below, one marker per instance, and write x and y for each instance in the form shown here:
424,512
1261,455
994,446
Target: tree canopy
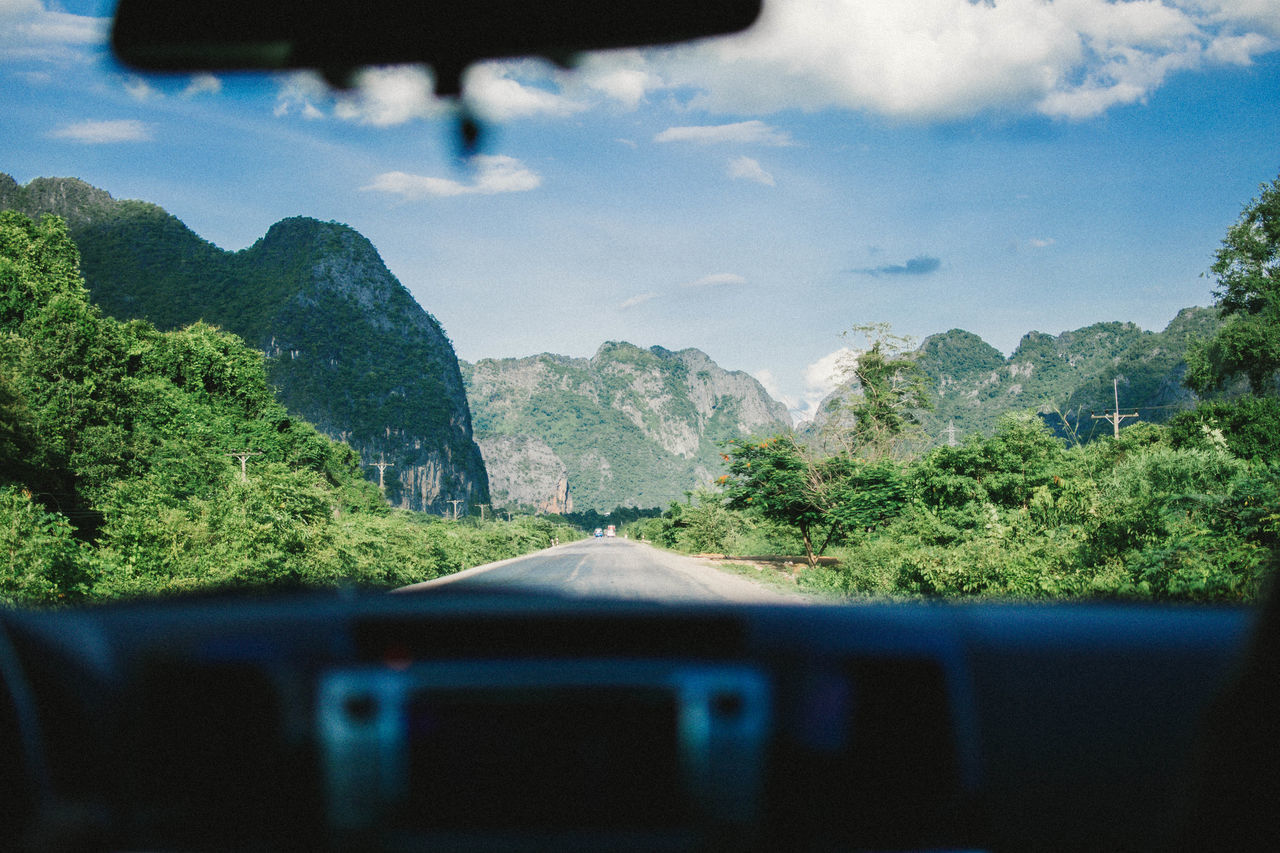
1247,269
881,416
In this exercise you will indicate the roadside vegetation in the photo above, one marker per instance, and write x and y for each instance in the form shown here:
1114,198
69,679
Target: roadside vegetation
121,453
1184,511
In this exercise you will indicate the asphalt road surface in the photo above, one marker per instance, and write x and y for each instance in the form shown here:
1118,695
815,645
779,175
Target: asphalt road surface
614,568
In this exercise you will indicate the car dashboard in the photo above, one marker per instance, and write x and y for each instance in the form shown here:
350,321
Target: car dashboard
462,721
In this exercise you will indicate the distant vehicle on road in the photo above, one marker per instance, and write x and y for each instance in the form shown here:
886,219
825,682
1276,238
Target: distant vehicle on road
611,531
599,533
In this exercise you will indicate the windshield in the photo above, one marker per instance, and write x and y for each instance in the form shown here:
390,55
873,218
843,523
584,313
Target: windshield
917,298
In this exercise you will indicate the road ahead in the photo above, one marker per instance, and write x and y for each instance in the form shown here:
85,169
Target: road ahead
614,568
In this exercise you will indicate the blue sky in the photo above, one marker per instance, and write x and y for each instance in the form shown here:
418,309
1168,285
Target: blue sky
994,166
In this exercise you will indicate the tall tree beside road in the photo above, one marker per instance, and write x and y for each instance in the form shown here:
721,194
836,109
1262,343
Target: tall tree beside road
881,419
1248,297
775,479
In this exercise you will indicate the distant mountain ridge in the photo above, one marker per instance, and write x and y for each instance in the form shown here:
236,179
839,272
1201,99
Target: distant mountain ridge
1066,378
628,426
347,346
352,352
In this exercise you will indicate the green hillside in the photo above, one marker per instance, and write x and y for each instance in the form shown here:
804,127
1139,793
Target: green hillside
348,348
1065,378
121,454
632,426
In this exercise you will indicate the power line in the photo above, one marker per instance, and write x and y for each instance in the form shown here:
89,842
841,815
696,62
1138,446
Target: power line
951,434
382,465
243,456
1115,417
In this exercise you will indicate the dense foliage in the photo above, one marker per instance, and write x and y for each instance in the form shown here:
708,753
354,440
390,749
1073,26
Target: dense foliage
1189,512
1247,268
882,418
619,516
349,350
117,468
1067,378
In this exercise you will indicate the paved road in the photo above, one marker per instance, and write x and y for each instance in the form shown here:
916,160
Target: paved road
615,568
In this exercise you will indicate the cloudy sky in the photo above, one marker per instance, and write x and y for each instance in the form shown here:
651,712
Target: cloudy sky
997,166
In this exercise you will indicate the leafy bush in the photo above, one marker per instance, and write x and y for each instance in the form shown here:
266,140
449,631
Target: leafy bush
40,561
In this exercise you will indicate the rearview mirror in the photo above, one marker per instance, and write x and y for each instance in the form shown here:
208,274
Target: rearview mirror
340,36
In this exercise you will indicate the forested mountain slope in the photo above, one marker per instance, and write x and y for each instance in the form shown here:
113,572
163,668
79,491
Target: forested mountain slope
347,346
1066,378
141,462
629,426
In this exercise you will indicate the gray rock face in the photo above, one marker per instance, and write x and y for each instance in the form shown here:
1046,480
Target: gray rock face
632,426
525,471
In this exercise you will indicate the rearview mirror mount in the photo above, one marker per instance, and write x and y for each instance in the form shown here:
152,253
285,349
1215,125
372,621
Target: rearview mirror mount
338,37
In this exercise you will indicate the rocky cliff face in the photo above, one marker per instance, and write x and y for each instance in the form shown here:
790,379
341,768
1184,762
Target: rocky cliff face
525,472
346,345
631,426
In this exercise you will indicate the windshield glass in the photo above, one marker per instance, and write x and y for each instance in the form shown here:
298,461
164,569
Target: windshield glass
915,298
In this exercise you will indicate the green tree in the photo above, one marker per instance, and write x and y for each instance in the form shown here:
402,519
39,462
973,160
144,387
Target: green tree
1248,298
869,494
881,416
774,479
40,562
1249,427
15,433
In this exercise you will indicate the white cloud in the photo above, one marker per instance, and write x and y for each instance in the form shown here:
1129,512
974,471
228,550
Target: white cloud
624,77
386,97
35,78
627,86
199,84
941,59
817,381
719,279
638,299
493,174
202,84
492,90
139,89
1041,242
754,132
28,31
104,132
299,93
823,376
1238,50
744,168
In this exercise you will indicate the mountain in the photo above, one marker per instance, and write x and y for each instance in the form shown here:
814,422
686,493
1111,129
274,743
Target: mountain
346,345
627,427
525,471
1066,378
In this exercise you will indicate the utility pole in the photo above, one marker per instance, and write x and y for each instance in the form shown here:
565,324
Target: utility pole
455,503
1114,415
951,434
483,507
243,456
382,465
